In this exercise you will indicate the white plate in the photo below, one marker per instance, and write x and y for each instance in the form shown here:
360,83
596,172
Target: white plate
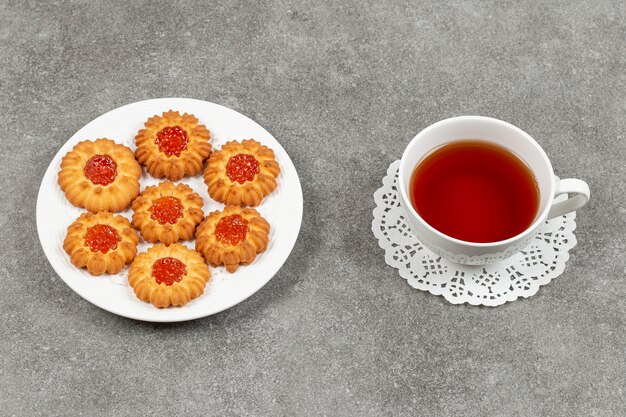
282,209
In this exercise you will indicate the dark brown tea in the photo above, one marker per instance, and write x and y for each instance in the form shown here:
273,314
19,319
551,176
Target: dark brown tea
475,191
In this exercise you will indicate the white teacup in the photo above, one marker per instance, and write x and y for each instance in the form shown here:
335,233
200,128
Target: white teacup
515,140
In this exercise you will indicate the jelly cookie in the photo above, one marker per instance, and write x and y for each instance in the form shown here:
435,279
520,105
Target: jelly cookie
167,213
100,175
101,242
172,146
168,275
241,174
232,237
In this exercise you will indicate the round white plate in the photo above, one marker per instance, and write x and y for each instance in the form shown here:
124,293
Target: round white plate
282,209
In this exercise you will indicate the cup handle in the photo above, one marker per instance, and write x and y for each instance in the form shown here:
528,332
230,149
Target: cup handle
569,186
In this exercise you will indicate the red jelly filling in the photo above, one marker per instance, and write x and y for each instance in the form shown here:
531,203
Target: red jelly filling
102,238
101,169
172,140
242,168
168,270
166,210
232,229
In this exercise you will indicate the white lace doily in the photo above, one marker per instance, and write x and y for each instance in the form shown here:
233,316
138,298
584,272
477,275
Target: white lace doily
521,275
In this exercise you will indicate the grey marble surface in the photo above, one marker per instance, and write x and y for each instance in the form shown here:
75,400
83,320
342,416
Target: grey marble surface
343,86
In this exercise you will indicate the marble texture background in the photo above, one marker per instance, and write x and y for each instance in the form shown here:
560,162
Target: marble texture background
343,86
